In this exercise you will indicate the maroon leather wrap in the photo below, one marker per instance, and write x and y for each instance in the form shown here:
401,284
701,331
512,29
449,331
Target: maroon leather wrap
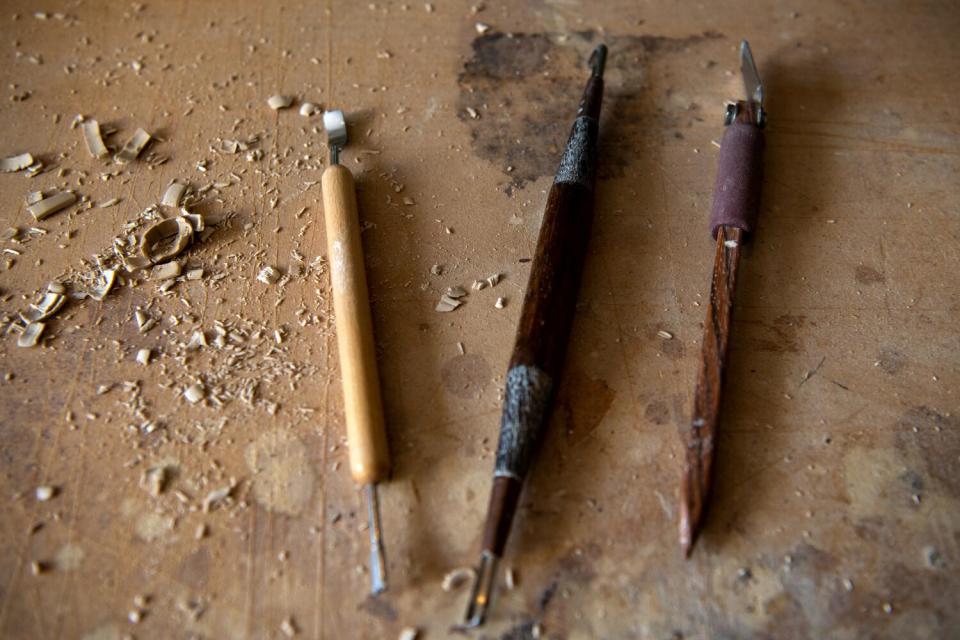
736,196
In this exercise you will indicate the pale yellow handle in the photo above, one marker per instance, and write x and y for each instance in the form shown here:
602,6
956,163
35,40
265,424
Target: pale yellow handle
366,434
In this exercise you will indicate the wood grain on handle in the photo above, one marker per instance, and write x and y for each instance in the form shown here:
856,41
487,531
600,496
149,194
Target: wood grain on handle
363,407
701,438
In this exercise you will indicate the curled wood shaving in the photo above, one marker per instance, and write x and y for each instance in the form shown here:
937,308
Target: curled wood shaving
16,163
48,305
31,334
268,275
279,102
458,577
167,270
94,139
174,194
165,239
103,284
134,146
447,304
49,206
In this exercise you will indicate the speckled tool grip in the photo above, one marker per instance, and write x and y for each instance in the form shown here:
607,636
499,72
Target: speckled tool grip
736,196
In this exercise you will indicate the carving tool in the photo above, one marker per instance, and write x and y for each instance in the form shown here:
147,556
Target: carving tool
736,204
363,408
544,329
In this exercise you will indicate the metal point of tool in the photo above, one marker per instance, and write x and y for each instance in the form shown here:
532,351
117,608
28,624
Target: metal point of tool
482,589
751,79
598,60
378,558
336,127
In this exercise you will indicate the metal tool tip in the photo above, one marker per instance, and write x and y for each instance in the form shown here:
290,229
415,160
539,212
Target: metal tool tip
336,127
688,531
378,557
598,59
482,589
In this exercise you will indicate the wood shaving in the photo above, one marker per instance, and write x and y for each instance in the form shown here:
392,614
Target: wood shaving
279,102
103,284
268,275
308,109
494,279
458,577
456,292
49,206
94,139
173,194
16,163
666,335
214,498
134,146
167,271
49,304
447,304
195,393
166,239
288,627
31,334
154,480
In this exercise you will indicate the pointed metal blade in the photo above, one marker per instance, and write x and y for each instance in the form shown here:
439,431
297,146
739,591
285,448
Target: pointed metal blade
751,77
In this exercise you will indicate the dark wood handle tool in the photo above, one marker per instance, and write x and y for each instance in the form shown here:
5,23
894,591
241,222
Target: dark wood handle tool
736,204
544,329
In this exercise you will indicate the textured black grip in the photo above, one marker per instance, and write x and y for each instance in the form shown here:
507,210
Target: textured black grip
525,412
736,196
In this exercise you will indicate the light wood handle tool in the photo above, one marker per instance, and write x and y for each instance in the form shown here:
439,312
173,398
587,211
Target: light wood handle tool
363,407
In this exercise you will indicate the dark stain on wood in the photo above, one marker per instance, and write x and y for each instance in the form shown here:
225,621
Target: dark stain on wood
868,275
519,86
657,412
891,361
379,608
583,403
935,435
466,376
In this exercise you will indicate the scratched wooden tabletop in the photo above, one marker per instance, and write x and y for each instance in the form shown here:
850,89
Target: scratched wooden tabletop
837,504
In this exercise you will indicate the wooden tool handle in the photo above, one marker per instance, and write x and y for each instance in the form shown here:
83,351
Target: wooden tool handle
363,407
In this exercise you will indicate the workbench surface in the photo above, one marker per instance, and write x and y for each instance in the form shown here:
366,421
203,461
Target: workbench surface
837,503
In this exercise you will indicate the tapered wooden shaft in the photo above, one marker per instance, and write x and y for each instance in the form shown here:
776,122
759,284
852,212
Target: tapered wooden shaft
701,438
736,205
363,407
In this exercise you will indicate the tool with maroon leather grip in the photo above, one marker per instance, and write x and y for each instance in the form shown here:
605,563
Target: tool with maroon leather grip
736,204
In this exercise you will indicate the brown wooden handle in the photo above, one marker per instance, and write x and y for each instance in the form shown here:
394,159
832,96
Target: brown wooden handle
363,407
